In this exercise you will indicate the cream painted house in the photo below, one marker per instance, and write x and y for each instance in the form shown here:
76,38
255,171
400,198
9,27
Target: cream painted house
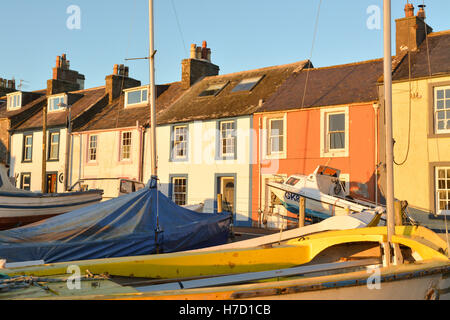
421,122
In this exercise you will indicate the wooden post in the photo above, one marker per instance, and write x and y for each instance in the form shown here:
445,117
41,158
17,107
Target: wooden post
44,149
219,203
398,213
301,212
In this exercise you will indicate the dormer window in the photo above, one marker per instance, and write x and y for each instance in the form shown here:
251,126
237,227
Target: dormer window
54,103
247,84
14,101
136,97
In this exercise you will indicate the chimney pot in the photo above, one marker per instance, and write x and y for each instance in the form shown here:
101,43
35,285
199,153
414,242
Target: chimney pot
421,12
409,10
193,50
204,44
116,69
58,61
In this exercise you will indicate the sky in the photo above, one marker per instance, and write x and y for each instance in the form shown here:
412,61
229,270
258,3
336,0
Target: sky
242,34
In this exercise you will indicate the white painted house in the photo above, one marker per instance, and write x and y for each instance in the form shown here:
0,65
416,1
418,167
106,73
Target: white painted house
205,139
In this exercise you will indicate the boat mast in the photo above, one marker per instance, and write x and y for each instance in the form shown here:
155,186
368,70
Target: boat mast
152,94
389,136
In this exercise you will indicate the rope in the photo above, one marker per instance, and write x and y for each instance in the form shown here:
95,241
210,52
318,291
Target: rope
179,28
310,55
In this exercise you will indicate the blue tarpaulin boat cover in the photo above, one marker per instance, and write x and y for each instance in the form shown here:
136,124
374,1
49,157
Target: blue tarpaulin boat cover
124,226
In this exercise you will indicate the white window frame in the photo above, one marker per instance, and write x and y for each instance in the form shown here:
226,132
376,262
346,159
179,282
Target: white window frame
52,106
445,110
325,150
142,102
266,147
52,145
92,150
24,186
26,146
439,191
229,138
125,148
183,143
183,193
14,101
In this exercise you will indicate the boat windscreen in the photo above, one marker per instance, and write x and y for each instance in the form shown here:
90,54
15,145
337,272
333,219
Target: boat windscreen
292,181
327,171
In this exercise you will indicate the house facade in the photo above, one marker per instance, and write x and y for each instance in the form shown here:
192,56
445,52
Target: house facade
420,115
111,149
26,137
320,116
205,138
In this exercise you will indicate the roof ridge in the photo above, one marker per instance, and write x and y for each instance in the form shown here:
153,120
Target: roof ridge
298,63
346,64
439,33
89,89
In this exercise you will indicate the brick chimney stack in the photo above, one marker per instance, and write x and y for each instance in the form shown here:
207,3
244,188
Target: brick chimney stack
64,79
411,30
118,81
197,66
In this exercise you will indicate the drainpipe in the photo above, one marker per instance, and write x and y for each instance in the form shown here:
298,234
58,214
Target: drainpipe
375,108
259,173
141,158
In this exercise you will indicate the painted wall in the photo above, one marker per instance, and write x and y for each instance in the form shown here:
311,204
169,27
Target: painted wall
417,150
34,167
303,153
108,163
202,168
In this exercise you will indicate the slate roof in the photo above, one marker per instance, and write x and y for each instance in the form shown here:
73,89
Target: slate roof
336,85
437,48
114,115
34,97
191,106
85,99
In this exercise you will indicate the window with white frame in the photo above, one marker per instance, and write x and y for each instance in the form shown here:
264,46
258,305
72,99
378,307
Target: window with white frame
334,133
14,101
442,109
54,103
443,190
227,138
92,149
25,181
125,149
179,142
136,97
276,136
179,190
27,147
53,151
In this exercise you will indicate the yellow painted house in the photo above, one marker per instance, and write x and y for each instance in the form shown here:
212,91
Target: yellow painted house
421,120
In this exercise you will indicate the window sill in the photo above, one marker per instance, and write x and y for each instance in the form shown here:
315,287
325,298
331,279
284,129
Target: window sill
275,156
334,154
178,159
439,135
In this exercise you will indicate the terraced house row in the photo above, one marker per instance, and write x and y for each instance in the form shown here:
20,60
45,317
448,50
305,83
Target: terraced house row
230,134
